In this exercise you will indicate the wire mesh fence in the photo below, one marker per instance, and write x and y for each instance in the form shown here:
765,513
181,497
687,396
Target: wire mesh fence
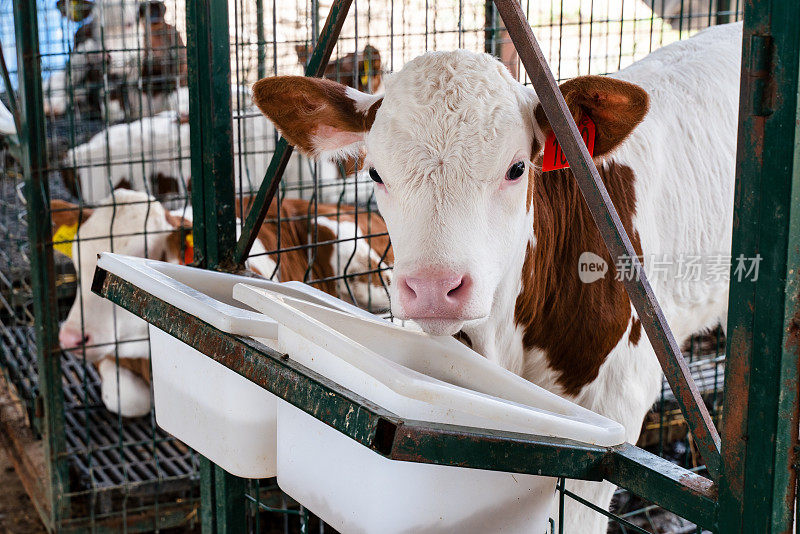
117,107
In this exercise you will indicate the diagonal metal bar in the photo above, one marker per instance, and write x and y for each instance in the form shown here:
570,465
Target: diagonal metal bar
283,151
613,232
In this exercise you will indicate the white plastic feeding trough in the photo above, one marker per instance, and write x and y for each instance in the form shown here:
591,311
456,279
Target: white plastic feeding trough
217,412
415,376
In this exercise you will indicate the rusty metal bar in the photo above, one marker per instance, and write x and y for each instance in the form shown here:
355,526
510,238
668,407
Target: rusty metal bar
613,232
382,431
761,412
283,151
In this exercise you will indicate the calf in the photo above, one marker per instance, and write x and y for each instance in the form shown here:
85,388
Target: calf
152,154
488,245
133,223
125,50
164,65
361,70
104,58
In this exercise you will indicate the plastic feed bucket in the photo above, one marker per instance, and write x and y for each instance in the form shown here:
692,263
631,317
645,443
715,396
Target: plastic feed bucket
217,412
418,377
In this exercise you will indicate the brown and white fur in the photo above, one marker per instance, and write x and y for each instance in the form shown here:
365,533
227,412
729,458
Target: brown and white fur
134,224
487,244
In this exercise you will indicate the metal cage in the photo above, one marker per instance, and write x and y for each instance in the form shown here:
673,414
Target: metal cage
212,152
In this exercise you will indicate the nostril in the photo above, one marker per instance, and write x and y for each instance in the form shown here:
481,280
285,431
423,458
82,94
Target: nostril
407,289
85,340
452,292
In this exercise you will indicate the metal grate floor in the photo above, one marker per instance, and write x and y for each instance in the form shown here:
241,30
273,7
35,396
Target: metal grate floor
111,459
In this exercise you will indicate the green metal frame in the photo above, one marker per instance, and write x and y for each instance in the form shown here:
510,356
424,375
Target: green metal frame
214,215
33,139
760,415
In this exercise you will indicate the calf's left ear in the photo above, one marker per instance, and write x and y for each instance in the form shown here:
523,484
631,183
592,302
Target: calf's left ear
317,115
616,107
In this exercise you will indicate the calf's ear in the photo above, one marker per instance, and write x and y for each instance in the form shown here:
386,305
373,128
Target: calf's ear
65,213
316,115
177,242
616,107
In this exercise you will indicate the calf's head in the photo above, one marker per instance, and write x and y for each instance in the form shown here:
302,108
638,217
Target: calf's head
130,223
451,146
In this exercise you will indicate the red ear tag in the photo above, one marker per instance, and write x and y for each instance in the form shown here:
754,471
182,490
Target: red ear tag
554,158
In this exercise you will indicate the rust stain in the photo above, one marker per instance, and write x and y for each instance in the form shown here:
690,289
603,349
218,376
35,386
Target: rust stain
697,484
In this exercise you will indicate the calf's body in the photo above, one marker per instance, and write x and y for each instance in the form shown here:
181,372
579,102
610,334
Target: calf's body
487,244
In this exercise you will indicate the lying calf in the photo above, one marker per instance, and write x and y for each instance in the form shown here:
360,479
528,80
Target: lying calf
152,154
132,223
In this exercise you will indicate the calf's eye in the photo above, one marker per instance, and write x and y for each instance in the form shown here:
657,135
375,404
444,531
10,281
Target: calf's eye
375,176
515,171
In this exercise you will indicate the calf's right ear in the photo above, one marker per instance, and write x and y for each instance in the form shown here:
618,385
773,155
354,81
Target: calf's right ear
316,115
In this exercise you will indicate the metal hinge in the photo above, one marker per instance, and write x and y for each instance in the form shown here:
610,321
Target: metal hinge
762,88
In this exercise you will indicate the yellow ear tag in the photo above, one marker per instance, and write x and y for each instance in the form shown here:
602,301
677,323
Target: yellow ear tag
63,238
365,76
188,254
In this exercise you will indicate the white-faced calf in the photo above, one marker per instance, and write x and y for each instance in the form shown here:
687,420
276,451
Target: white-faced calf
487,244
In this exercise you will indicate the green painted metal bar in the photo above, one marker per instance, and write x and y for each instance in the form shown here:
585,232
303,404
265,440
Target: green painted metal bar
45,306
387,434
760,418
723,12
211,133
616,238
261,39
230,504
687,494
213,197
490,27
208,495
277,165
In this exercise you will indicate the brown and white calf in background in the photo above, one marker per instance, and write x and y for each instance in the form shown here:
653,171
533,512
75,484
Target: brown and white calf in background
134,224
127,50
487,244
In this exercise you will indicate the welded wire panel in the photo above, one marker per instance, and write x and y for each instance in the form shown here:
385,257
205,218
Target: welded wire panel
113,78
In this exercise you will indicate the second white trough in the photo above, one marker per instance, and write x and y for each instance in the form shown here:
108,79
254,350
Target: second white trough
415,376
